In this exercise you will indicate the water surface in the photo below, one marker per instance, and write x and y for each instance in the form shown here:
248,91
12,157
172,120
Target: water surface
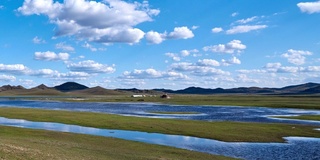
295,148
205,113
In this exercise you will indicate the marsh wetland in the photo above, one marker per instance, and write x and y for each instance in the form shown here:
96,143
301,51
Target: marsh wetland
232,131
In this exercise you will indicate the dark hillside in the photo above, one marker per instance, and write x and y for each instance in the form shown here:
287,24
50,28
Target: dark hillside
70,86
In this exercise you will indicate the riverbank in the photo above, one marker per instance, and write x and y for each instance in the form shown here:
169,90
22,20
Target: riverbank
20,143
272,101
223,131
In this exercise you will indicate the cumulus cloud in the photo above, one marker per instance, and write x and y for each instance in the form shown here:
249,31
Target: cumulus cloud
181,33
216,30
309,7
208,62
153,74
63,46
72,76
178,33
231,47
186,53
18,69
296,57
155,37
90,66
244,78
51,56
45,73
245,28
56,75
7,78
233,60
106,22
197,69
174,56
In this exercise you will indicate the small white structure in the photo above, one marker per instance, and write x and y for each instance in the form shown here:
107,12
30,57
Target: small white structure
137,96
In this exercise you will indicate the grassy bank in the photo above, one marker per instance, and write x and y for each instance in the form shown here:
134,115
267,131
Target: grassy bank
274,101
27,144
224,131
304,117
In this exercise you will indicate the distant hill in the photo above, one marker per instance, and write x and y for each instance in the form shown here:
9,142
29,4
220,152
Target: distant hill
70,86
9,88
97,91
308,88
73,88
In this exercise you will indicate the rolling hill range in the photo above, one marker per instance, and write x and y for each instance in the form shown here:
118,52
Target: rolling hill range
73,88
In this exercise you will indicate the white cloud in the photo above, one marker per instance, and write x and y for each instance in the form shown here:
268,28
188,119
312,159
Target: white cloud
186,53
178,33
309,7
217,30
244,21
252,71
231,47
7,78
244,78
288,69
89,46
132,82
234,14
208,62
194,27
45,73
273,67
90,67
14,69
72,76
233,60
38,40
153,74
181,33
51,56
174,56
197,69
245,28
296,57
106,22
155,37
63,46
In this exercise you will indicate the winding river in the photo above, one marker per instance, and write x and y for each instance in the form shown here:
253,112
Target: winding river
294,148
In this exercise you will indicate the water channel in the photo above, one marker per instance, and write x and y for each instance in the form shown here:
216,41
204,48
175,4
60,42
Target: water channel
294,148
203,113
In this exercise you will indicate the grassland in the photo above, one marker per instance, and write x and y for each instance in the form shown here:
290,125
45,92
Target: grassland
27,144
224,131
274,101
304,117
175,112
18,143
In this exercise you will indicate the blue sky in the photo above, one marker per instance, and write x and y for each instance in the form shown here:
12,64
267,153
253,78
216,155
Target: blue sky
160,44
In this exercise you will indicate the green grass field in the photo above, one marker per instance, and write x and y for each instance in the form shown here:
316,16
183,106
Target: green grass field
304,117
18,143
27,144
299,101
224,131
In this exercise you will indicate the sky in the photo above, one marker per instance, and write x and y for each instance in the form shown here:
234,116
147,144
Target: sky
172,44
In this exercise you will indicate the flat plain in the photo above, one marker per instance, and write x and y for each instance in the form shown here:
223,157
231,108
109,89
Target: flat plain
32,143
